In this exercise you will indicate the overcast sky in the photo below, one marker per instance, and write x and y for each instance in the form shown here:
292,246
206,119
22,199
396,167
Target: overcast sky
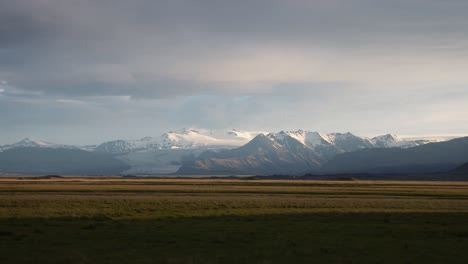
85,71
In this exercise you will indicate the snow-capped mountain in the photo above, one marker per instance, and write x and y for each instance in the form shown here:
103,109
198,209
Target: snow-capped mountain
388,141
428,158
184,139
118,146
347,142
33,143
308,138
262,155
394,141
290,152
329,145
342,142
191,138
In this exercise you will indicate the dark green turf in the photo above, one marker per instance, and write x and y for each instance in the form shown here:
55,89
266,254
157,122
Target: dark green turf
286,238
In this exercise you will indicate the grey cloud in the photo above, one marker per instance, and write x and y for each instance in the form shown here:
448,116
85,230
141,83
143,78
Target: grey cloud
260,64
49,44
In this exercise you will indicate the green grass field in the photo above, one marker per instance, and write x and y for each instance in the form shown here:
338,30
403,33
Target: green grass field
78,220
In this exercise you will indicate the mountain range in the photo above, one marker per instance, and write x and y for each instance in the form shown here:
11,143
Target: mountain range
193,151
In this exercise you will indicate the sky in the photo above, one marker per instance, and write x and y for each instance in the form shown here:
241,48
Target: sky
87,71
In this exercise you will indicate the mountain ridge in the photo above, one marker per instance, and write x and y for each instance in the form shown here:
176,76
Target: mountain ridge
431,157
192,138
170,151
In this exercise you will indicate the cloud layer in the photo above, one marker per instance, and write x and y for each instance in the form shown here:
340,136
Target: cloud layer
83,71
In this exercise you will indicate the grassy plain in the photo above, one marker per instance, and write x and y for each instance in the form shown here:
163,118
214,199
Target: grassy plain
115,220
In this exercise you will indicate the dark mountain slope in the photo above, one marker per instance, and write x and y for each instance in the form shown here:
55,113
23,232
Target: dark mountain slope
433,157
463,169
32,160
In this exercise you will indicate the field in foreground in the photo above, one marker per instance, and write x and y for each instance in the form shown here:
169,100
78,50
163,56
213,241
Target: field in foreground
77,220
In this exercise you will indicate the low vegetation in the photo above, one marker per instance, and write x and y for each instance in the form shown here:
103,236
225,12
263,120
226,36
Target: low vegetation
116,220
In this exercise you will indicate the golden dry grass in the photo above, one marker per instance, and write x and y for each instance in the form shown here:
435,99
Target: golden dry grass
153,198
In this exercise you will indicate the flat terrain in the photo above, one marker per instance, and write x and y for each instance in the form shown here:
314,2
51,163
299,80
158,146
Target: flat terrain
116,220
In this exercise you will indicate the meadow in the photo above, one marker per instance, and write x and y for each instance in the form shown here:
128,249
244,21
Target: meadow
119,220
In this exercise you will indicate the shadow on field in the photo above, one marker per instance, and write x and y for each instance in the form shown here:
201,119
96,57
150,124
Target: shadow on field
286,238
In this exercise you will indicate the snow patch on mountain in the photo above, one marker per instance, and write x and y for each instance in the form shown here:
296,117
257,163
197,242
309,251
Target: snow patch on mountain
33,143
309,138
186,138
394,141
316,140
243,135
388,141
